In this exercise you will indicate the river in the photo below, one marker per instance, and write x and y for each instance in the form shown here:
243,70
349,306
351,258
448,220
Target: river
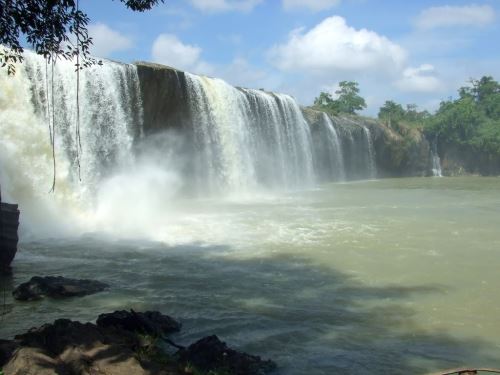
381,276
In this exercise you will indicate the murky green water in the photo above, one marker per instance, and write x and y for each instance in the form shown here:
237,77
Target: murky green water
380,277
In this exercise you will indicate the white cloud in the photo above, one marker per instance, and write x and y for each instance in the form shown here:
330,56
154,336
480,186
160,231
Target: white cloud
169,50
420,79
313,5
332,45
106,40
449,16
213,6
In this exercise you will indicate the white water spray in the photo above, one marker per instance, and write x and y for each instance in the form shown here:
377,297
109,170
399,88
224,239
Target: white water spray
335,152
39,96
370,160
436,161
248,138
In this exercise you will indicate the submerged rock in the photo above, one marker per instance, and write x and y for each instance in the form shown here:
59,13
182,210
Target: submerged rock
151,323
210,355
56,287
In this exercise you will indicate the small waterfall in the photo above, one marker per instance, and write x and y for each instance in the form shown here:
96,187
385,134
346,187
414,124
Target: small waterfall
334,150
248,138
370,155
436,161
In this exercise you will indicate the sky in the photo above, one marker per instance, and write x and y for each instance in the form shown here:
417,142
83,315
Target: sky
413,52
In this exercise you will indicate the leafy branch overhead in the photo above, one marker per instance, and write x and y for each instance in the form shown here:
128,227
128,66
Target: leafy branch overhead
53,28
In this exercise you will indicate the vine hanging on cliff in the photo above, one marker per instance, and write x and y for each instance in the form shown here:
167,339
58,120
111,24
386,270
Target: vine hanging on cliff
48,26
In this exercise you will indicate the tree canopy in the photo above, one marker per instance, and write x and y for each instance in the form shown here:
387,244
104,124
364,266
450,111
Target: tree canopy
473,119
393,113
348,100
53,28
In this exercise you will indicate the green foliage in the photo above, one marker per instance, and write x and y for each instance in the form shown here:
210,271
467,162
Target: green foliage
395,115
348,100
54,28
472,120
391,111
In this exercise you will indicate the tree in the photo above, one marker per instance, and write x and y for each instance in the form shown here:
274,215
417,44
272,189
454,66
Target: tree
53,28
391,111
324,99
348,99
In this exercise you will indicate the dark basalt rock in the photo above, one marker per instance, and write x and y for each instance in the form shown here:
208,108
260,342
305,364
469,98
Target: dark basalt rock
9,222
56,287
211,354
56,337
114,347
149,322
7,348
70,347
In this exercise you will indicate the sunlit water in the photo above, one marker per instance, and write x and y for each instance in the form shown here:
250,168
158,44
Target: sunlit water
377,277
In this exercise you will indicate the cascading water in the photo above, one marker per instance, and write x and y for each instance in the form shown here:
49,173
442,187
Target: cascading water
335,151
370,159
40,96
436,161
248,138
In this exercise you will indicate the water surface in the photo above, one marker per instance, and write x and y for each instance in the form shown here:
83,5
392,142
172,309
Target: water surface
376,277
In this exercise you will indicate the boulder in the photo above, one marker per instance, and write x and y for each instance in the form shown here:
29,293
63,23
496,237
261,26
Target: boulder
70,347
56,287
150,322
212,355
115,346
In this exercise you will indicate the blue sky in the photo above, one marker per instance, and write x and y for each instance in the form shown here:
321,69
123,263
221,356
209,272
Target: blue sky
408,51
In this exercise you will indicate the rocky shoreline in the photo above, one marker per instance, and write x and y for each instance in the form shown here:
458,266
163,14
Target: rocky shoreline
121,342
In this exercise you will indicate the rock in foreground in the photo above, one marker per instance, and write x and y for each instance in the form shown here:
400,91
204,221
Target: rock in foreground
68,347
211,355
122,342
150,322
56,287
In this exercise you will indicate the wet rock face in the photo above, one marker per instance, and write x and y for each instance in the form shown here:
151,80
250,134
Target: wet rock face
9,222
462,160
211,354
164,97
56,287
150,322
400,151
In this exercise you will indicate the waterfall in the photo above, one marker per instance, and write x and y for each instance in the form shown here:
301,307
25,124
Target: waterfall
370,155
149,134
334,150
248,138
436,161
39,96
